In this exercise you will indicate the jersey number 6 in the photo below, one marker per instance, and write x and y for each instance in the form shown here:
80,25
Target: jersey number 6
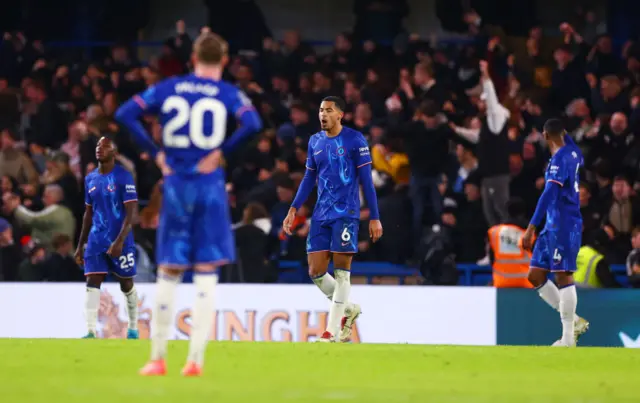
127,262
205,108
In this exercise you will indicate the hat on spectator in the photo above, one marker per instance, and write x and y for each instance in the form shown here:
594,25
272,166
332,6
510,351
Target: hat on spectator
4,225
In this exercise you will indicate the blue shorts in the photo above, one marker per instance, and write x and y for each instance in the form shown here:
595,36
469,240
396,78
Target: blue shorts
557,251
195,225
123,266
338,236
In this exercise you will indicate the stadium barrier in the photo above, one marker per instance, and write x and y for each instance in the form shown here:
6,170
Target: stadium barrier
523,319
391,314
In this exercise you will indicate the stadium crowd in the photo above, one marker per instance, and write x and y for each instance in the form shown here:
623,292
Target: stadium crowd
419,102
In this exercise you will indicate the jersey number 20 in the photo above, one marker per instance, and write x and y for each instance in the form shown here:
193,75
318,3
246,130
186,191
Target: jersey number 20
195,115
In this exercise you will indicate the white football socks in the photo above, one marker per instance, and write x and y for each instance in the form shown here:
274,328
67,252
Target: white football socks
132,307
202,319
550,294
163,314
339,300
326,283
568,304
91,305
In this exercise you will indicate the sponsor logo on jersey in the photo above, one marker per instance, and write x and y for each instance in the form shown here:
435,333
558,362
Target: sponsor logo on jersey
364,150
130,188
92,189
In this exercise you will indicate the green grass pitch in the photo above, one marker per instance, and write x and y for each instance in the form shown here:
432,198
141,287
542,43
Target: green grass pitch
99,371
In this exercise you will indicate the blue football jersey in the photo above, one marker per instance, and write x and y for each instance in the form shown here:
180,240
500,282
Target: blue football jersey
336,160
563,169
107,195
193,112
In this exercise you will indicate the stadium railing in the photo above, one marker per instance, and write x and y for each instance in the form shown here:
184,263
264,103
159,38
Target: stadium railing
293,272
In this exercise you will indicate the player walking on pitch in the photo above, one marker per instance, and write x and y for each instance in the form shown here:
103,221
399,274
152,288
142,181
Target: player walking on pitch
111,203
557,247
195,226
337,157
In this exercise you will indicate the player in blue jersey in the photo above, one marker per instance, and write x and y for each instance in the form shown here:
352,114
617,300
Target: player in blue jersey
338,159
195,225
111,203
557,247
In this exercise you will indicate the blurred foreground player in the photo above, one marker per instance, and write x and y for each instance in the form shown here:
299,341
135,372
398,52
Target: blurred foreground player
195,226
557,247
111,203
337,157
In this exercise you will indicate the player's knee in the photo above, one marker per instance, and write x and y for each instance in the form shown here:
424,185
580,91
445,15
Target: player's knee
315,270
537,277
95,280
126,284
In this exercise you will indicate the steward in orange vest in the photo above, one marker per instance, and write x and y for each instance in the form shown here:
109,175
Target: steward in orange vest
509,261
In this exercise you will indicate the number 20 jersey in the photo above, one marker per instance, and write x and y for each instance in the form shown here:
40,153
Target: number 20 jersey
193,112
195,226
563,213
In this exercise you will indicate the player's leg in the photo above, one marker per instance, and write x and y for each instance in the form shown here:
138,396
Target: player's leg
318,256
567,308
124,268
173,252
564,265
213,246
95,269
344,244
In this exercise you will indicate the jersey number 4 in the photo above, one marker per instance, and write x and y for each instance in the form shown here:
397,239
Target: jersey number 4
194,115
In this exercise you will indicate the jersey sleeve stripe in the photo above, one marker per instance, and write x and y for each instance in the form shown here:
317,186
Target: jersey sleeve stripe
129,201
244,109
308,167
366,163
140,101
87,204
555,181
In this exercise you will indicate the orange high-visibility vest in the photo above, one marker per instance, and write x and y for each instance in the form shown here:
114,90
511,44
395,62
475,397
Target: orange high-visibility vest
511,261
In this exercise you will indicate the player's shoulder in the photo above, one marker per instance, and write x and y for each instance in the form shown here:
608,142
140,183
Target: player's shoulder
122,173
355,136
316,137
91,176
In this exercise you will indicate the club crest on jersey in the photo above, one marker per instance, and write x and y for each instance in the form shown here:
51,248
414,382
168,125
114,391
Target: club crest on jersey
111,187
340,151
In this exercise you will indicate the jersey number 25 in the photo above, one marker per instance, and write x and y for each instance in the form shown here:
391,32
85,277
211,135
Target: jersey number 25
174,134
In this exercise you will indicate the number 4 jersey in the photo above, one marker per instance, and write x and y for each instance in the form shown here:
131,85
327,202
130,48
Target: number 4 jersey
563,213
193,113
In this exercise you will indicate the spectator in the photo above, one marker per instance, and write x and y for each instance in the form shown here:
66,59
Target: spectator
633,260
622,216
252,237
60,264
48,126
14,162
45,224
10,252
593,269
34,268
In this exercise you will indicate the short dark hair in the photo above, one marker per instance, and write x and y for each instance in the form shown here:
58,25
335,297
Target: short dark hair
554,128
339,102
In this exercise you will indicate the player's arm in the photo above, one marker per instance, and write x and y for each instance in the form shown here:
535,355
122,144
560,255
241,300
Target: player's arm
363,161
130,201
555,181
87,219
304,190
129,114
249,119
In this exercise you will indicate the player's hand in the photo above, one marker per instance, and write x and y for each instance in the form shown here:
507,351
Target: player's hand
210,163
375,230
527,239
288,221
78,256
115,250
161,162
